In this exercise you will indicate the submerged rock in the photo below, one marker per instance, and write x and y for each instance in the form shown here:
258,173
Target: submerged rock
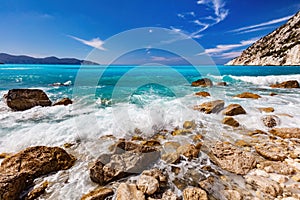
270,121
234,109
193,193
24,99
248,95
64,101
202,94
98,194
230,121
221,84
264,185
205,82
266,109
129,192
189,125
286,84
286,132
232,159
211,106
271,151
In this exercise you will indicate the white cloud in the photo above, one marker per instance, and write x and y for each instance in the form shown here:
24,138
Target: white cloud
229,55
95,42
161,58
256,26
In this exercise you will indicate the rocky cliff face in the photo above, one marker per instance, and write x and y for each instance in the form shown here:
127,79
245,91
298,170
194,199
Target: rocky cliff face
281,47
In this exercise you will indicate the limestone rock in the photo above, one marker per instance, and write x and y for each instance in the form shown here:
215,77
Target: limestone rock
147,184
265,185
189,150
193,193
266,109
233,195
234,109
211,107
158,175
189,125
230,121
205,82
277,167
129,191
98,194
270,151
64,101
38,191
232,159
286,84
24,99
248,95
286,132
270,121
202,94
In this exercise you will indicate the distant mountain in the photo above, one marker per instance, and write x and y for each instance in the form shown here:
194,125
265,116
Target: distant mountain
11,59
281,47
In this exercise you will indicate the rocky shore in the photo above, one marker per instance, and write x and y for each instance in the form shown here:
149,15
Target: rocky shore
256,165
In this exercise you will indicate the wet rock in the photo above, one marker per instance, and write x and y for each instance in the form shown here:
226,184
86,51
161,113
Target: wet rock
296,177
264,185
193,193
257,132
242,143
38,191
273,94
129,191
286,84
158,175
4,155
270,121
128,158
232,159
271,151
147,184
221,84
277,167
24,99
64,101
202,94
181,132
248,95
189,125
98,194
266,109
189,151
230,121
150,143
233,195
170,147
205,82
286,132
211,107
234,109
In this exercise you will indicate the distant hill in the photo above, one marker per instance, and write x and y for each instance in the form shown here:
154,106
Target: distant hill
281,47
12,59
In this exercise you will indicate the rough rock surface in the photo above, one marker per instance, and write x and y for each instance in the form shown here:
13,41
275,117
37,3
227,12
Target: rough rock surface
36,192
129,191
193,193
189,125
147,184
202,94
64,101
248,95
98,194
231,158
271,151
24,99
270,121
266,109
221,84
234,109
286,132
11,186
205,82
281,47
230,121
286,84
277,167
211,106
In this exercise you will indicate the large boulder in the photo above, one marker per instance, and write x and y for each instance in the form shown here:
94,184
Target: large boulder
24,99
232,159
286,84
211,106
128,158
286,132
234,109
248,95
205,82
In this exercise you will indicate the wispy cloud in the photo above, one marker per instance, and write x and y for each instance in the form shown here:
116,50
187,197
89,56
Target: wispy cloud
161,58
260,25
229,55
95,42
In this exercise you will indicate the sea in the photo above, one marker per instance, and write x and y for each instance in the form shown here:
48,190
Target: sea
123,101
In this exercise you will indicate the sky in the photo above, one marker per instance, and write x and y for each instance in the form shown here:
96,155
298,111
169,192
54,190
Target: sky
73,28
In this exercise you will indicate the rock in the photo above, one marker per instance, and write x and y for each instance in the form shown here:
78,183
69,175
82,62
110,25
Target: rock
273,94
181,132
98,194
171,158
189,151
257,132
202,94
232,159
286,132
189,125
286,84
279,178
158,175
4,155
234,109
38,191
263,184
233,195
277,167
147,184
128,158
64,101
230,121
296,177
170,147
169,195
24,99
270,121
205,82
150,143
129,192
193,193
266,109
270,151
221,84
248,95
211,107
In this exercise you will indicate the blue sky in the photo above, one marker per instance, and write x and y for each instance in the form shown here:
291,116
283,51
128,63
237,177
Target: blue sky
66,28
